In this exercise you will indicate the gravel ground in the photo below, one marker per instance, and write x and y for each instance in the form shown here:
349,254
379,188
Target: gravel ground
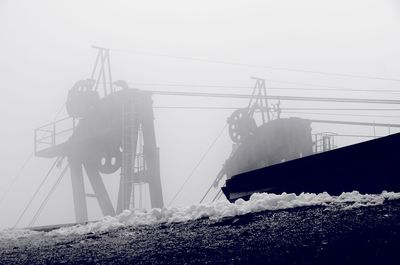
307,235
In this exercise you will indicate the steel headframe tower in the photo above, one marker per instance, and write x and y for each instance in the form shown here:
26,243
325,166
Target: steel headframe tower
101,72
242,126
111,131
259,99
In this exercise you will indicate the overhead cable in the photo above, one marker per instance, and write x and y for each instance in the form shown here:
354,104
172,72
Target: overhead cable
37,191
268,88
291,98
258,66
197,165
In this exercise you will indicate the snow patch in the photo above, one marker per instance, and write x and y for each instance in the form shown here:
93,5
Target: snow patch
11,233
258,202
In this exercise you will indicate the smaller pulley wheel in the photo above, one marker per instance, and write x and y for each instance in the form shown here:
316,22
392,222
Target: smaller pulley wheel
110,161
241,125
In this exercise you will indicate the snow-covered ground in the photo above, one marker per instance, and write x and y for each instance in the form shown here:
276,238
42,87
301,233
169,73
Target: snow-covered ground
217,210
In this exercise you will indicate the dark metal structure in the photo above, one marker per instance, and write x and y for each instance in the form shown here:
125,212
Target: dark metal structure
369,167
273,141
259,149
282,155
109,130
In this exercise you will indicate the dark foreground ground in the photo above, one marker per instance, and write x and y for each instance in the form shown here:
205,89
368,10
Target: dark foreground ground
312,235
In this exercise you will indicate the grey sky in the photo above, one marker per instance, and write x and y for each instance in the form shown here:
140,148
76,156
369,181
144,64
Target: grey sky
45,47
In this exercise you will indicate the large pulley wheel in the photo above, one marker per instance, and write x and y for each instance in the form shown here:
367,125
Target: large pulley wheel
241,125
110,161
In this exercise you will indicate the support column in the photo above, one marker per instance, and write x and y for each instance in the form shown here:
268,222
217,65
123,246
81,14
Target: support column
151,153
99,188
78,190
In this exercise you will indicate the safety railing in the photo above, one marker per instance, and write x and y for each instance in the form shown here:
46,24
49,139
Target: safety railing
54,133
324,141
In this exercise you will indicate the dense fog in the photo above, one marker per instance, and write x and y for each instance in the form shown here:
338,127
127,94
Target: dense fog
340,48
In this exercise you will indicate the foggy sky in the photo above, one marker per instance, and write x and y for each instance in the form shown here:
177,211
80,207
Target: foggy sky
45,47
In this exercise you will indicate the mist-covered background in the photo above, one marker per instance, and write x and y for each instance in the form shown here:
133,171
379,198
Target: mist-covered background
45,47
